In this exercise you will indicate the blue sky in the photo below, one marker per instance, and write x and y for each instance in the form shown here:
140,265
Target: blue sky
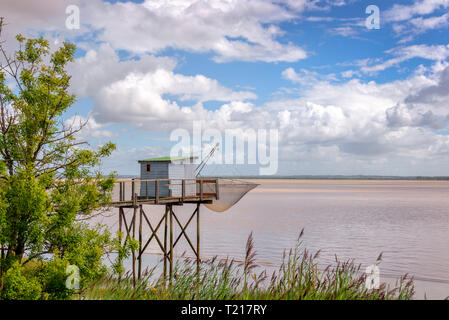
344,99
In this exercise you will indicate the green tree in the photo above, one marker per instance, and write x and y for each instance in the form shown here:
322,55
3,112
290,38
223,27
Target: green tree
49,182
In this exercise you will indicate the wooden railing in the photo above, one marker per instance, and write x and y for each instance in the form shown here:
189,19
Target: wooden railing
135,190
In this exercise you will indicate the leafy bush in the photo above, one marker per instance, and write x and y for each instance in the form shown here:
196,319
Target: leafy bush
19,285
53,277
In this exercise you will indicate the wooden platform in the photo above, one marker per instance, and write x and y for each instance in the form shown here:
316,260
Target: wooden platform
207,190
164,201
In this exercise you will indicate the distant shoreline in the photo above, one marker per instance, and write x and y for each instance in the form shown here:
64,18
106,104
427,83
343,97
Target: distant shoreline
320,177
417,178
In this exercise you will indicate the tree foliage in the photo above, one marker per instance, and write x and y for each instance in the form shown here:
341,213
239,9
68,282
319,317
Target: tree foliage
49,181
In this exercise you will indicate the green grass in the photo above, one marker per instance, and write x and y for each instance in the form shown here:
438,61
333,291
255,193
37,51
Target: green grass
298,278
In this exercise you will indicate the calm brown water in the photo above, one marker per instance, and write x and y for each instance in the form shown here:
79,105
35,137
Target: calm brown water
408,221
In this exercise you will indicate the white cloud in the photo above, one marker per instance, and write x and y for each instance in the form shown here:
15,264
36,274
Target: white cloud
306,77
90,128
144,92
233,30
139,98
352,121
411,20
123,160
349,73
423,24
419,7
432,52
102,66
355,121
345,31
436,94
22,15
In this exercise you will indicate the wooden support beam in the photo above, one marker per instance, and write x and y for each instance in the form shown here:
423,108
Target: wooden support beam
165,242
198,259
183,231
217,190
120,228
133,188
171,242
154,232
139,272
156,196
127,228
183,190
133,251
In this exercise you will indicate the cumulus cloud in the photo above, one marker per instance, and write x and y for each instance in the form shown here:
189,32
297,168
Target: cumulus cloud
101,66
403,116
140,97
437,94
362,119
348,121
234,30
352,123
146,92
357,120
426,107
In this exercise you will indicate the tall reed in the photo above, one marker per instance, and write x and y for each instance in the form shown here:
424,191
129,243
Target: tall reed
297,278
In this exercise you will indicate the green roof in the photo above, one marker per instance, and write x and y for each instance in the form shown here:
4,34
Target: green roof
167,159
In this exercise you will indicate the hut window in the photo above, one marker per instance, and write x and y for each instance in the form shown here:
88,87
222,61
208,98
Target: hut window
148,167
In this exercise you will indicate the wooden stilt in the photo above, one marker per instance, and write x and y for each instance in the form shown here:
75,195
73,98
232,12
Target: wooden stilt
140,243
120,228
165,242
198,259
133,251
171,242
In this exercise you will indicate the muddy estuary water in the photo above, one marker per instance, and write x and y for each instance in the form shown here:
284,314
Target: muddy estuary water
408,221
